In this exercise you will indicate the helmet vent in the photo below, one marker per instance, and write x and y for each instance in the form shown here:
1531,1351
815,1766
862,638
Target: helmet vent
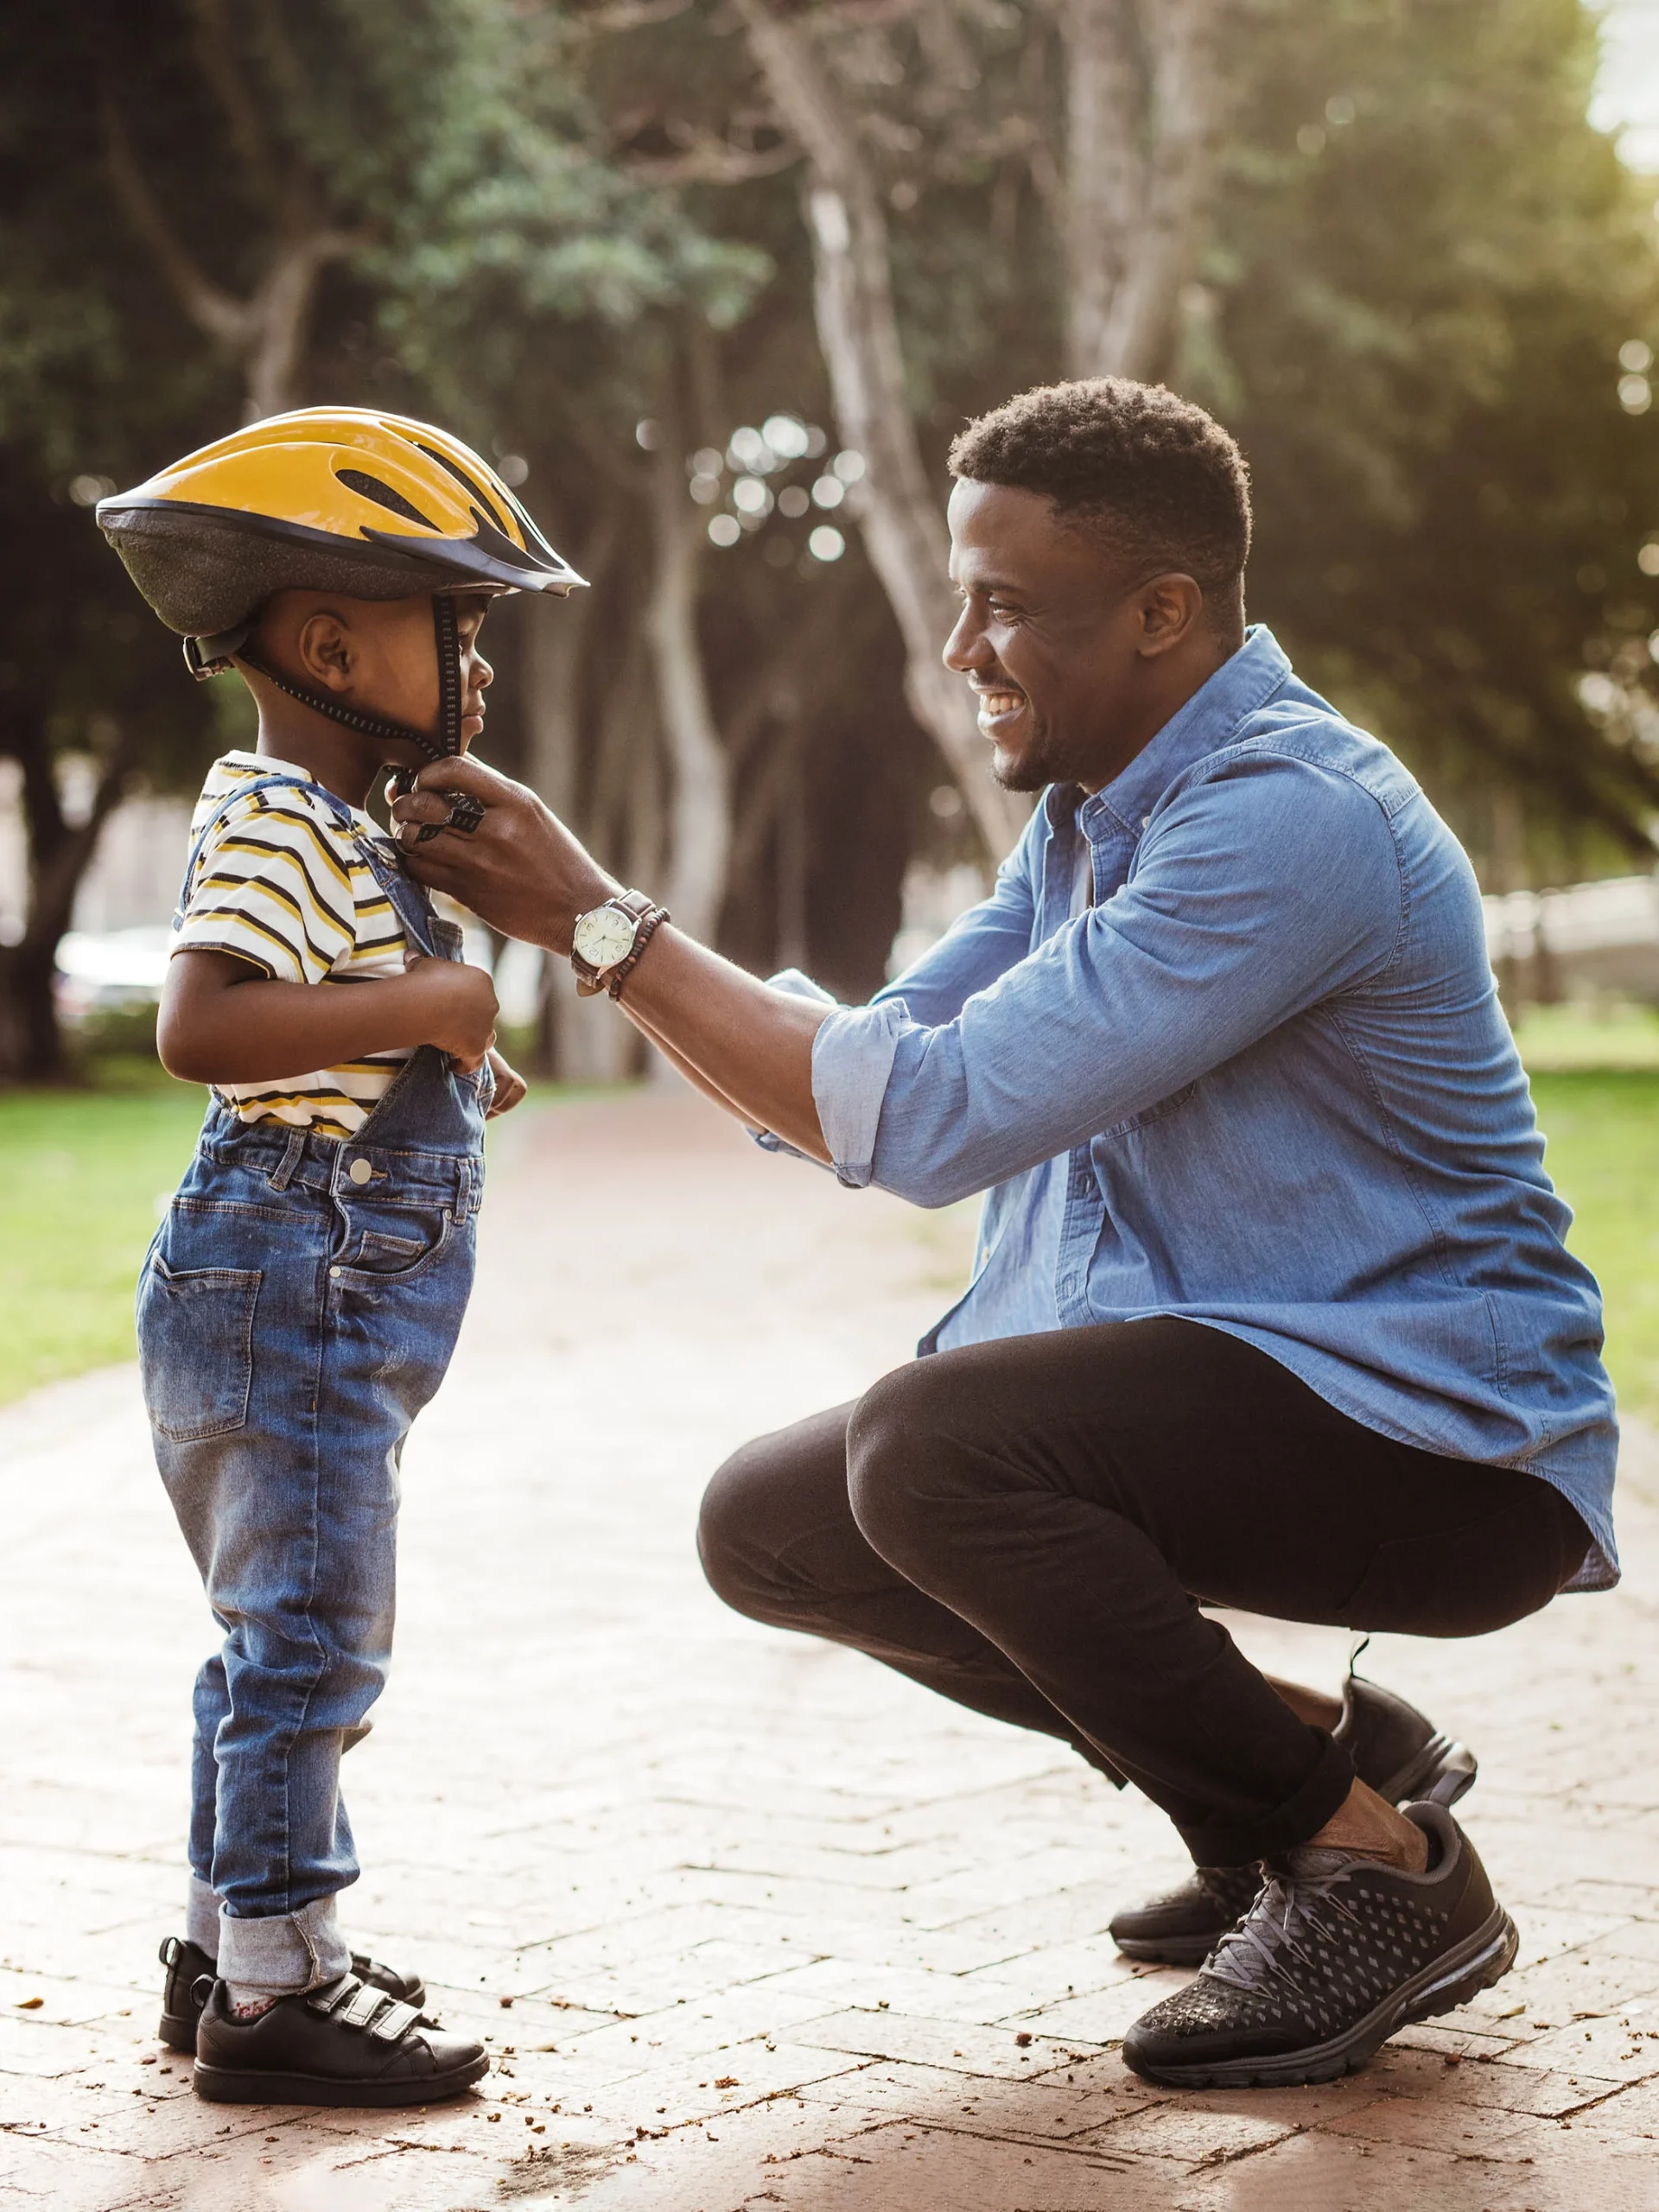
372,487
463,479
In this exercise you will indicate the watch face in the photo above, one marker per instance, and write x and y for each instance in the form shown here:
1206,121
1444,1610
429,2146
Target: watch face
604,936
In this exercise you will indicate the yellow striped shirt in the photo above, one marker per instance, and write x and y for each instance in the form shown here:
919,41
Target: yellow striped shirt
283,887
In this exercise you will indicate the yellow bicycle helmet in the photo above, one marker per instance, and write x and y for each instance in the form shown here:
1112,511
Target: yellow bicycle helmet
328,499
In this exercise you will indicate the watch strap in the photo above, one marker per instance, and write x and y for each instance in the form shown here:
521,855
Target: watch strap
649,925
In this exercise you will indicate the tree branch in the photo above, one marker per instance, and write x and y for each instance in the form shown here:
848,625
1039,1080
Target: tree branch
1098,200
216,311
1189,99
228,82
630,15
279,311
858,329
706,158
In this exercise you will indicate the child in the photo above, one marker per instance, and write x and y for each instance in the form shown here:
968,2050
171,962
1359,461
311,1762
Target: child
301,1298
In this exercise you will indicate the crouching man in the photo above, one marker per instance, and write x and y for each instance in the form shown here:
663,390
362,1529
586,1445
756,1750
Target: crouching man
1271,1307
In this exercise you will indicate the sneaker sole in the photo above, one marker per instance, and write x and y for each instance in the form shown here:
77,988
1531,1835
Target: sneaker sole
222,2085
1455,1977
1174,1951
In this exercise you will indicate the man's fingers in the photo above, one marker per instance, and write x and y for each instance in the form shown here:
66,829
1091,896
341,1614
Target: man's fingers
462,774
422,806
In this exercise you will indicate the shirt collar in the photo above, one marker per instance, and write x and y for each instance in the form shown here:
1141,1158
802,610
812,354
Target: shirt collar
1242,684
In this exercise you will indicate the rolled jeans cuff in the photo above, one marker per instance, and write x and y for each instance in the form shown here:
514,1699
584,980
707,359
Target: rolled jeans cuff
1301,1815
201,1916
289,1951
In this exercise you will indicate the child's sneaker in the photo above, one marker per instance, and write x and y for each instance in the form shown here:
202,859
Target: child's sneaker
347,2044
190,1969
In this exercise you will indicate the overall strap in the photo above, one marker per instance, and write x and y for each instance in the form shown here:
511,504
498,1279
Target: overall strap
408,901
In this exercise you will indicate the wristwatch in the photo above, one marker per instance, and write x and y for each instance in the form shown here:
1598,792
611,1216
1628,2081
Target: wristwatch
607,941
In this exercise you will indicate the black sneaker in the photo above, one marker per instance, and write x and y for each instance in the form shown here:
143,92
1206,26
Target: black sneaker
189,1968
1180,1928
347,2044
1394,1749
1337,1954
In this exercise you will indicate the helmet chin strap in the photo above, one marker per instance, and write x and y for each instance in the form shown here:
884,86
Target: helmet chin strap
208,656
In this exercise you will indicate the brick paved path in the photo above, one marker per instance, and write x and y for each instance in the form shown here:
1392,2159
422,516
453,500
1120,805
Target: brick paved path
750,1922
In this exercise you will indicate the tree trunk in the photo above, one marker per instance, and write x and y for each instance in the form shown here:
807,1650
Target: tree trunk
858,329
700,827
1137,184
584,1040
279,316
552,638
31,1042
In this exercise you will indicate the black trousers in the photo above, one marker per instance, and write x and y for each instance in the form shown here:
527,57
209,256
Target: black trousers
1029,1527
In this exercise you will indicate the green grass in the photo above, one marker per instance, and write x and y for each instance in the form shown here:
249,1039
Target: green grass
1602,1125
87,1172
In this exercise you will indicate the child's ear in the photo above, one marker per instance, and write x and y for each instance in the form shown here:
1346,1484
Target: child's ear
325,647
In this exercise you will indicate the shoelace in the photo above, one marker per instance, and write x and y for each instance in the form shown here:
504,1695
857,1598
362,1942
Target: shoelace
1286,1911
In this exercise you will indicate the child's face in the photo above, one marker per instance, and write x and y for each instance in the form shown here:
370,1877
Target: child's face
381,656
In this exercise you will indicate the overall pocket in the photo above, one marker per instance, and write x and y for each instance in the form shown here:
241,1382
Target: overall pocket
195,1347
392,1243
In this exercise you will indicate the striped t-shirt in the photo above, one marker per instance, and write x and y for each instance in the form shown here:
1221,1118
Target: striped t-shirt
281,886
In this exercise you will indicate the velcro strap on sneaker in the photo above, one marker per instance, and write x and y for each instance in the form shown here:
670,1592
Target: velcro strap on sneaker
395,2022
333,1993
361,2008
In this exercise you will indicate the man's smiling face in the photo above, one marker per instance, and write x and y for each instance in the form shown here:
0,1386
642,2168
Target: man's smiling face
1062,644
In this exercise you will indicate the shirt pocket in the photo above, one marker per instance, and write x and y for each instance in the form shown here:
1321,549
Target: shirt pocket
195,1347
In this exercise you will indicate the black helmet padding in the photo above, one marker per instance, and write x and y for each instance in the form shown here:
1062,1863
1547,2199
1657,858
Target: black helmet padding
207,573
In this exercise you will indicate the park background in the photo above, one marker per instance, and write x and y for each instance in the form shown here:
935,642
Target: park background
713,282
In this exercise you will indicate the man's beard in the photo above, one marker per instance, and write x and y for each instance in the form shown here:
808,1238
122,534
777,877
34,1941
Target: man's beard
1033,771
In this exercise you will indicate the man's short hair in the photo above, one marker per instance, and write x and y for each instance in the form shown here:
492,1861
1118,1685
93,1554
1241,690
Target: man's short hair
1157,480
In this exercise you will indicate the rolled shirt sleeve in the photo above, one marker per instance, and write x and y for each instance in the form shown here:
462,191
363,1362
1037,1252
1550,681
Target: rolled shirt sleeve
852,1054
1259,888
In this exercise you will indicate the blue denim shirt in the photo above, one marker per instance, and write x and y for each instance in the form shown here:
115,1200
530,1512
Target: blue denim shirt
1262,1081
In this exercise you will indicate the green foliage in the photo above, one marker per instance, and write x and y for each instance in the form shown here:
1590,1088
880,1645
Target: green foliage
1424,265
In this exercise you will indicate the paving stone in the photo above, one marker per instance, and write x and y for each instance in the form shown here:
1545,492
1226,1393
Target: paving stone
935,2043
593,1792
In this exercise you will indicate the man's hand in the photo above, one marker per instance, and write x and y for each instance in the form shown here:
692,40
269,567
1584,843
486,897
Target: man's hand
451,1005
510,1087
749,1047
521,870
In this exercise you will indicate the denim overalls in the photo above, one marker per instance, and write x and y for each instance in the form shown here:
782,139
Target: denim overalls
298,1308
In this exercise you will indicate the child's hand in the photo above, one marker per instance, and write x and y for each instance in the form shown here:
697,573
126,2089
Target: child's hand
456,1006
510,1087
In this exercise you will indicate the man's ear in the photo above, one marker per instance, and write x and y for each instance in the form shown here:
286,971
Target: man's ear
325,649
1171,607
